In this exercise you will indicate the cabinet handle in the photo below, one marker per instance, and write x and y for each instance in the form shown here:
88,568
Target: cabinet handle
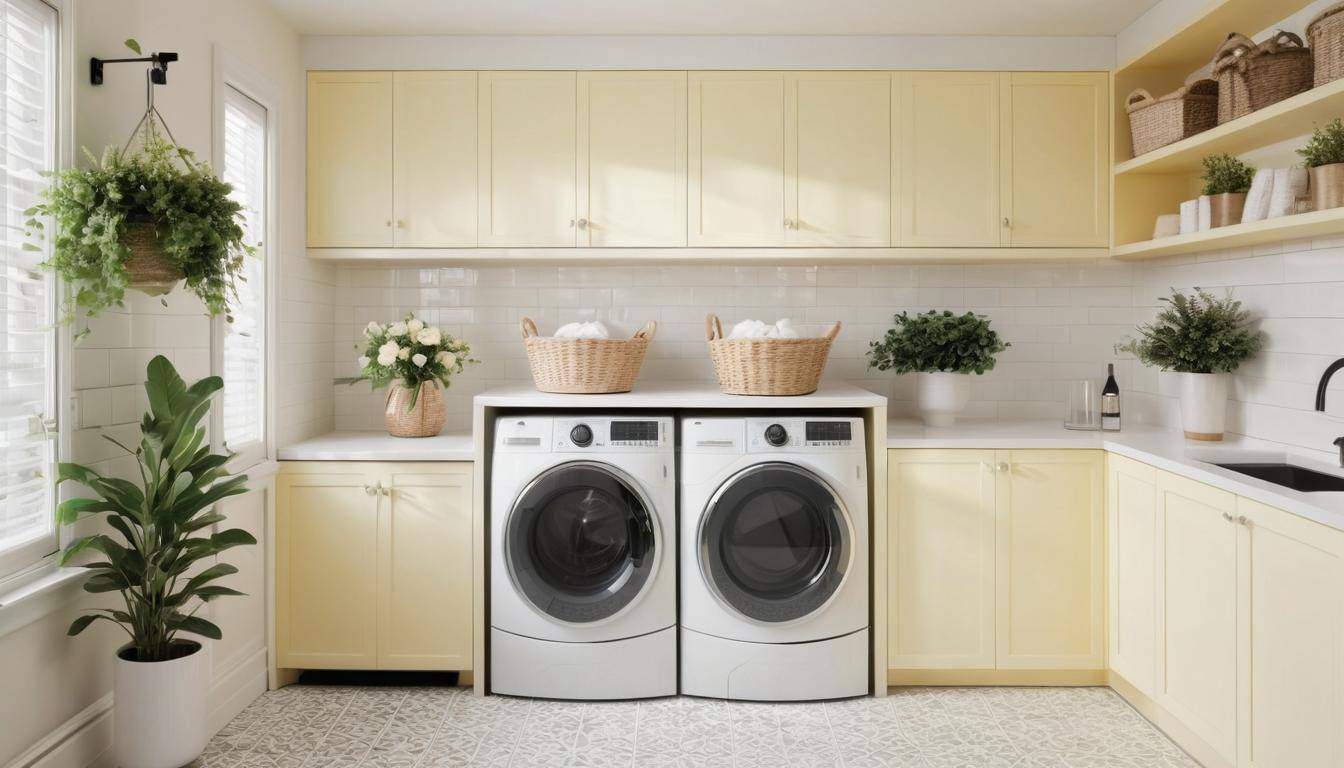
1243,520
1227,517
583,223
401,224
788,223
1007,223
1005,467
572,222
388,223
374,490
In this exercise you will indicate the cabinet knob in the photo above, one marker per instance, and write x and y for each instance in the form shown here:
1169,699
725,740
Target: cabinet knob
401,224
788,223
373,490
388,223
1227,517
1243,520
1004,466
1007,223
583,223
572,222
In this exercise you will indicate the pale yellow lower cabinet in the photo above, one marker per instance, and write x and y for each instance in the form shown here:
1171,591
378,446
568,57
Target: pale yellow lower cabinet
1131,517
373,566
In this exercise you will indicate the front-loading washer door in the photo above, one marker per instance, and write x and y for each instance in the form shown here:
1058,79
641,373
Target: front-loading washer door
580,542
774,542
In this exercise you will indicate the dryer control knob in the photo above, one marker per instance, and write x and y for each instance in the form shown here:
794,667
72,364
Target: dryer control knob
582,435
776,435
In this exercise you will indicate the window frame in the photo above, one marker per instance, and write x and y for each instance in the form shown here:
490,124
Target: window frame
231,71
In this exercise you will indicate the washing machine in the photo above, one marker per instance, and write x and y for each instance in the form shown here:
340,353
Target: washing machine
583,557
774,558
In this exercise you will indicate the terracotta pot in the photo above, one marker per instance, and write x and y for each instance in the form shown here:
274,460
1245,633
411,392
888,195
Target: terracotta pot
1327,186
1203,405
160,720
425,419
147,266
1227,208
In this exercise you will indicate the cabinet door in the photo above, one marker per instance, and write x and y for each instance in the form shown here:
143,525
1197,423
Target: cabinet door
838,163
949,164
349,159
527,162
1050,560
325,555
736,176
1197,609
424,564
1292,649
1055,176
1131,515
632,159
434,156
940,559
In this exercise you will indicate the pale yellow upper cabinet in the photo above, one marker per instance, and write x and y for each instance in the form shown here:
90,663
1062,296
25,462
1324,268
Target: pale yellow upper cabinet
949,159
838,158
632,159
940,559
1055,181
736,155
1050,560
434,157
1131,513
527,166
350,159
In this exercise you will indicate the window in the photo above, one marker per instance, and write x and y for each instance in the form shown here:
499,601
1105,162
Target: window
244,339
29,34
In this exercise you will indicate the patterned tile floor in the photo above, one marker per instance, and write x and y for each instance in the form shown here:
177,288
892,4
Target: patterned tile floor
425,727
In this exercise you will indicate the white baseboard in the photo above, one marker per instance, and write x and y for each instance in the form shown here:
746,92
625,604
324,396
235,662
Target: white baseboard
83,741
232,690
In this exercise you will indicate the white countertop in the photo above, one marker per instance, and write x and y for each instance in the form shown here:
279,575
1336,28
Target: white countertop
380,446
686,394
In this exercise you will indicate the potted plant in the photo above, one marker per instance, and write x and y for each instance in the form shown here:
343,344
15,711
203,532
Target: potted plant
1202,338
1324,157
943,349
1226,182
157,534
414,359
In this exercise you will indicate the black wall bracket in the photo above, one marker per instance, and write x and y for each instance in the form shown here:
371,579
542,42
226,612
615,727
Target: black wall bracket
158,72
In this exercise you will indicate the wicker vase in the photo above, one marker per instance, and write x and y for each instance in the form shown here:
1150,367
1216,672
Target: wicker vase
148,267
425,419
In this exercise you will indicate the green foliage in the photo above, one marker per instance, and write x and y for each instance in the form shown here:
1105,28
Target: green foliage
198,225
410,352
937,341
161,524
133,44
1326,146
1196,334
1225,173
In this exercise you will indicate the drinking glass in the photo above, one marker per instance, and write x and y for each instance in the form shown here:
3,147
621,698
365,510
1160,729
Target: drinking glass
1084,406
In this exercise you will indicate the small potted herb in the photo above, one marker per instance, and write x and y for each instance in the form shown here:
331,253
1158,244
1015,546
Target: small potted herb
1226,182
1324,157
1203,338
943,350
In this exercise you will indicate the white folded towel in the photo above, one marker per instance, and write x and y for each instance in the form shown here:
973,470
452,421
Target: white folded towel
1257,199
1189,217
1281,195
756,329
593,329
1205,213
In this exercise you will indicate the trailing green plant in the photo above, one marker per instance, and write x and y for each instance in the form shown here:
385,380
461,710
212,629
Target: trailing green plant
1326,145
937,341
411,352
1225,173
161,523
1197,333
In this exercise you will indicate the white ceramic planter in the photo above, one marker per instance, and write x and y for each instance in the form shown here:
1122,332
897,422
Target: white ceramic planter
1203,405
941,397
160,710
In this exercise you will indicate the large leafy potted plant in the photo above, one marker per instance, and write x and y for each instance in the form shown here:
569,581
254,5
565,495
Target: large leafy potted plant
1324,158
1203,338
1226,182
414,359
943,350
158,537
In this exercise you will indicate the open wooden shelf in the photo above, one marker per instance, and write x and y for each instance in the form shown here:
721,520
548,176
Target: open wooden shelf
1192,45
1302,225
1291,117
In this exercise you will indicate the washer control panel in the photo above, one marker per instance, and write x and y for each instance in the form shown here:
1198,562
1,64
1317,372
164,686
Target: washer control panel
580,433
818,432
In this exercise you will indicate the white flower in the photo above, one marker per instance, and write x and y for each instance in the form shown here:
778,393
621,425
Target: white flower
414,326
447,358
397,329
403,353
373,329
363,362
430,336
388,353
419,360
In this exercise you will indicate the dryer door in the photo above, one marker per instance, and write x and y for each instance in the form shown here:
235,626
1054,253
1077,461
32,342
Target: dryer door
775,542
580,542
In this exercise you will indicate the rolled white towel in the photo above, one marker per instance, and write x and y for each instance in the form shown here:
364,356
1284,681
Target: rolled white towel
749,329
593,329
1205,213
1189,217
1257,199
1281,197
783,329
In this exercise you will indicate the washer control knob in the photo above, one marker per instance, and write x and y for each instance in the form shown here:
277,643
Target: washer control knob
776,435
581,435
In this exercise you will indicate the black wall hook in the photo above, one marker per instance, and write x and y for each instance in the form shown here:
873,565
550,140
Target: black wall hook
158,73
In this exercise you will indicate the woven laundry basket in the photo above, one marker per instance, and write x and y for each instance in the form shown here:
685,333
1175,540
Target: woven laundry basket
1325,34
585,366
767,366
1155,123
1252,77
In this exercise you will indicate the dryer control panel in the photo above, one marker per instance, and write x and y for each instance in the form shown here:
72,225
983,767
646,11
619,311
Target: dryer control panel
804,433
580,433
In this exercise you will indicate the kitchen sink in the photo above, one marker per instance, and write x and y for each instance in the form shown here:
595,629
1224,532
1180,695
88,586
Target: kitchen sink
1288,476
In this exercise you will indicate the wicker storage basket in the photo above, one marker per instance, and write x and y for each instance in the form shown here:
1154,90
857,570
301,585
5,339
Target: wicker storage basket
1155,123
585,366
1252,77
767,366
1325,34
149,270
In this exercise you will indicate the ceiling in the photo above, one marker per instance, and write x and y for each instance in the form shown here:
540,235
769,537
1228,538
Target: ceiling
712,17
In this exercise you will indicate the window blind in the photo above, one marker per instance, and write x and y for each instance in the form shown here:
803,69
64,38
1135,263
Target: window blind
244,372
28,90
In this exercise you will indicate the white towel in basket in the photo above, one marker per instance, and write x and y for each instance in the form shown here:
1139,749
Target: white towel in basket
593,329
755,329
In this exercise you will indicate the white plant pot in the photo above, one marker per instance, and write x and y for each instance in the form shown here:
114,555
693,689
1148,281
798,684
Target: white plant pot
1203,405
941,397
160,710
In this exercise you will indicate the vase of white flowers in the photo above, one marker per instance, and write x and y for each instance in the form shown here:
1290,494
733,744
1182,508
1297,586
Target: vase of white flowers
417,361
